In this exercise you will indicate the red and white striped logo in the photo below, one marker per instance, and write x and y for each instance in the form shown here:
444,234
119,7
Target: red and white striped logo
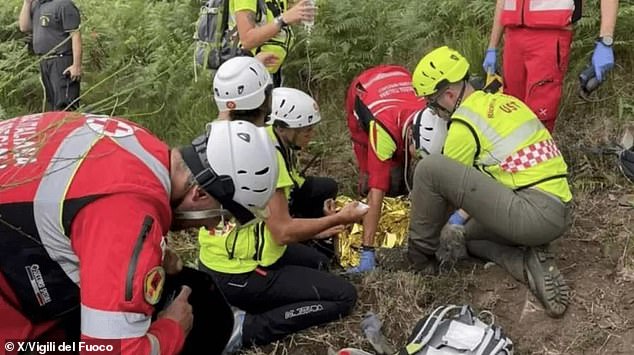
530,156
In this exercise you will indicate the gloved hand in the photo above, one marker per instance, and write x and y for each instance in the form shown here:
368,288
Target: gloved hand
366,263
371,326
602,60
490,59
456,218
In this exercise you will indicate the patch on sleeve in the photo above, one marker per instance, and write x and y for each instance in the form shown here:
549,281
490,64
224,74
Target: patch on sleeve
381,142
153,285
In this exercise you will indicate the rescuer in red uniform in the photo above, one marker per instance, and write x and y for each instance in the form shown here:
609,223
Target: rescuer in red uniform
537,37
90,198
384,118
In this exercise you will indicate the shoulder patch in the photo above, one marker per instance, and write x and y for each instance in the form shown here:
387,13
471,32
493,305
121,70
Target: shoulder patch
107,126
153,285
381,142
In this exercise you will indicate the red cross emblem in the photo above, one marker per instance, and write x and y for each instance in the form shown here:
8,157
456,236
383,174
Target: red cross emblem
109,127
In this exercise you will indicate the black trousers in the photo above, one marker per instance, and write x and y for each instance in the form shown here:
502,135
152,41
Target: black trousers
61,92
291,295
308,202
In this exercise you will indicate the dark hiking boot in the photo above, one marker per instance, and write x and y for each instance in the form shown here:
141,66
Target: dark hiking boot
509,258
545,281
423,264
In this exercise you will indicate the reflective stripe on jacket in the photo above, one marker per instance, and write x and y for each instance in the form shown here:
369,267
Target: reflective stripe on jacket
538,13
504,139
59,185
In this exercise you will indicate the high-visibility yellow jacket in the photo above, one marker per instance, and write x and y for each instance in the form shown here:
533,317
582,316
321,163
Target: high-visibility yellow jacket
502,137
289,176
235,250
281,42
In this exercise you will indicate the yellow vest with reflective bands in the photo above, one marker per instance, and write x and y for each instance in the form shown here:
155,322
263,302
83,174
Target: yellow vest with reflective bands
278,44
289,177
233,251
239,250
512,145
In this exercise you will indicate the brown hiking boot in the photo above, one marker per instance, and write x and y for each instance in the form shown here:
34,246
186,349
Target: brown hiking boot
545,281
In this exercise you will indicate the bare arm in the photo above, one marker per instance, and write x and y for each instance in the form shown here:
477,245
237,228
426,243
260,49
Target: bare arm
76,43
609,9
286,229
497,29
252,36
371,220
24,21
75,69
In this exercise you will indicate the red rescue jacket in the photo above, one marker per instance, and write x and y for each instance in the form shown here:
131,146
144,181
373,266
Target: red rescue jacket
538,13
84,198
382,97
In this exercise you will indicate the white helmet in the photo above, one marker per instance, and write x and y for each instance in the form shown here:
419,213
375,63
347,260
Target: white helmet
235,163
293,108
246,153
429,132
241,84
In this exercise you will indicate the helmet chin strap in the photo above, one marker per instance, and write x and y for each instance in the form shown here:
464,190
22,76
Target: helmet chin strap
291,142
459,100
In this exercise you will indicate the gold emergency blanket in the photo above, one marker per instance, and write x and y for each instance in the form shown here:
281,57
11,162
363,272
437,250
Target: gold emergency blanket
391,232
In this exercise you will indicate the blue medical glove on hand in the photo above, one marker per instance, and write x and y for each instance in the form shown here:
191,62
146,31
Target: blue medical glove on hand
490,59
602,60
366,263
456,218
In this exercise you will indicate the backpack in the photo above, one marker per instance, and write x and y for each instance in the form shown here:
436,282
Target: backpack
215,43
447,332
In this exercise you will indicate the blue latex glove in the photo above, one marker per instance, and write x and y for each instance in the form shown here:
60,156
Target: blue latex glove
456,218
490,59
602,60
366,263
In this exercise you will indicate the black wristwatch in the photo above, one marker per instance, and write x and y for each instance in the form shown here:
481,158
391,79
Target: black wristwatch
606,40
279,21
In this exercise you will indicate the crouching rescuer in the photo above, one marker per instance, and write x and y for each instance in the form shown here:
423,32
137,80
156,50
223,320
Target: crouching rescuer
503,174
279,284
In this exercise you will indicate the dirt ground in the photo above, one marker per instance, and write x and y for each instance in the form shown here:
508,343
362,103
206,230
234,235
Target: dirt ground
595,257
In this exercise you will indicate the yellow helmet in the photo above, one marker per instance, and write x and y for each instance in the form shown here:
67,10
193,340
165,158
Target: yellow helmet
440,67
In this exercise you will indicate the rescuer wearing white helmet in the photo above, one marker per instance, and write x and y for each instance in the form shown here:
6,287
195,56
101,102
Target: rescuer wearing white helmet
242,89
262,267
294,116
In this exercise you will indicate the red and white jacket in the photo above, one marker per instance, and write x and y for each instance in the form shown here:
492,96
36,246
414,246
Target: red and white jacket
386,95
538,13
85,204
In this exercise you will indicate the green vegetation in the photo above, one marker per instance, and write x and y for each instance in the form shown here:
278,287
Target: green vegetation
138,57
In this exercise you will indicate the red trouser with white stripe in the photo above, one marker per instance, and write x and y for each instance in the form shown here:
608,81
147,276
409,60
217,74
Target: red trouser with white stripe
535,62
